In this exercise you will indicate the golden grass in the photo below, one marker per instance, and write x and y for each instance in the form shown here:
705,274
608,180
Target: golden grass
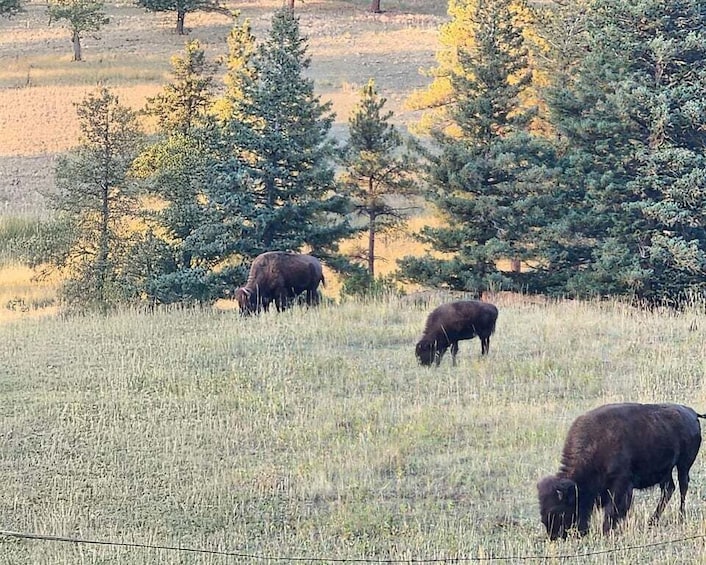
48,116
21,297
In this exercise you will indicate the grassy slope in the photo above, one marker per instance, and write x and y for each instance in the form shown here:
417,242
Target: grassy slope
314,433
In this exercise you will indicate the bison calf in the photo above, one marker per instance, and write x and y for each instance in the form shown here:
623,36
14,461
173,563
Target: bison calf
612,450
450,323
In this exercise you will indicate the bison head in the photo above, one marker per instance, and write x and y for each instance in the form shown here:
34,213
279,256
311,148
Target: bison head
557,505
426,352
247,300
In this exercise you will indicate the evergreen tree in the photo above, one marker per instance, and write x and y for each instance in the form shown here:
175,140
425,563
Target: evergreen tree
376,169
566,242
455,37
173,169
10,8
182,104
242,46
632,122
488,177
96,199
271,185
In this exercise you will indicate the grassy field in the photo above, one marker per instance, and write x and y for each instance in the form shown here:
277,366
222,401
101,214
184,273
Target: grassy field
314,435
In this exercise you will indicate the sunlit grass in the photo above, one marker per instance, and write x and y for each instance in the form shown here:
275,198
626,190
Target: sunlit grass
22,297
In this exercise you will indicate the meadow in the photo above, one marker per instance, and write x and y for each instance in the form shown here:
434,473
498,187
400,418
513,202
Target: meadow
313,436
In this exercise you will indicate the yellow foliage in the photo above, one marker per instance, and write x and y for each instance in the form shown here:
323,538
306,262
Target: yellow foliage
458,36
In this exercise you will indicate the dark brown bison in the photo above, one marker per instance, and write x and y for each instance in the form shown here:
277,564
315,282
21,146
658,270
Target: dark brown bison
612,450
452,322
279,277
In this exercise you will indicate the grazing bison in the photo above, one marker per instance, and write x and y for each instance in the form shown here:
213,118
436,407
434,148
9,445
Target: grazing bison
452,322
612,450
280,277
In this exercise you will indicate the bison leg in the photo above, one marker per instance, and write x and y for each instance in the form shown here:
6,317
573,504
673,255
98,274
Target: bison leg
454,351
683,466
683,487
617,506
585,509
484,345
667,487
312,297
439,353
282,299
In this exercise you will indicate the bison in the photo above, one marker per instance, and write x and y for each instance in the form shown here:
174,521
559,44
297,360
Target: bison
452,322
612,450
280,277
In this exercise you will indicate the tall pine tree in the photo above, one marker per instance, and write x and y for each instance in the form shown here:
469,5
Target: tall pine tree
487,178
633,126
172,167
271,185
377,170
97,199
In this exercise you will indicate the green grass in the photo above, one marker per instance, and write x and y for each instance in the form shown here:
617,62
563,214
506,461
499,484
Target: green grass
315,434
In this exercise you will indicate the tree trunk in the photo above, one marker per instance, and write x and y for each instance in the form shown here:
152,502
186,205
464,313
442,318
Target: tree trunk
371,248
515,266
76,40
375,6
290,4
181,15
103,243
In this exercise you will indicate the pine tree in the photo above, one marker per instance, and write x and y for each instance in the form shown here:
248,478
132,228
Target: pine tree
183,103
272,185
488,177
183,7
567,241
10,8
96,198
455,37
172,168
242,46
633,124
377,169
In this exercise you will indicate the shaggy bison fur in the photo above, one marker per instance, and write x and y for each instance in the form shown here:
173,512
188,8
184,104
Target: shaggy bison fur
280,277
450,323
612,450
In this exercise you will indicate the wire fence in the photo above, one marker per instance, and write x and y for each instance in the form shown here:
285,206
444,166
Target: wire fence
320,559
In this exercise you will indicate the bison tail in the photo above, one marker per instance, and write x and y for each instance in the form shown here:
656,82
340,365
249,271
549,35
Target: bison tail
323,280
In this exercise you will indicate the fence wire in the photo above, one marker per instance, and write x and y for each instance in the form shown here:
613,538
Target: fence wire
319,559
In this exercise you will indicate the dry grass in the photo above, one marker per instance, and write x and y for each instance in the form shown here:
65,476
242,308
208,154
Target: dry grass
315,434
22,297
